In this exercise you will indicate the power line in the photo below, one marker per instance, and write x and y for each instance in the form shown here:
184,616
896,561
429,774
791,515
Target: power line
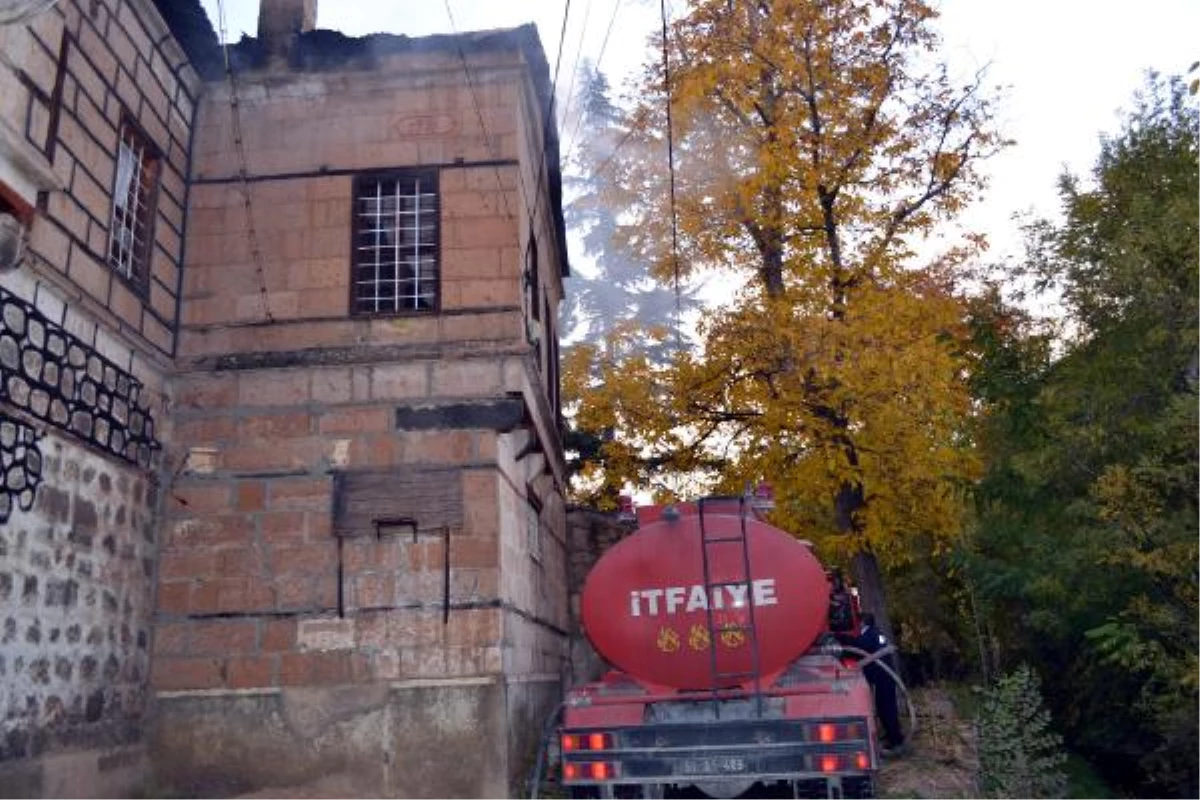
547,121
596,66
487,138
566,114
549,117
243,171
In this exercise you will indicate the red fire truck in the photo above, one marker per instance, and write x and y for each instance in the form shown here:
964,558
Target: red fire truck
726,676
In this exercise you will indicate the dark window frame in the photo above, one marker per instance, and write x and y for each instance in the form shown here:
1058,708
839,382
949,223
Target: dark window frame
533,539
139,256
373,178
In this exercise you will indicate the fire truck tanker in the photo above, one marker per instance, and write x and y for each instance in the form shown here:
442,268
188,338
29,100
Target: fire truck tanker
725,674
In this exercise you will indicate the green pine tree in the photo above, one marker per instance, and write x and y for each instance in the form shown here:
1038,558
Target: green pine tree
1019,754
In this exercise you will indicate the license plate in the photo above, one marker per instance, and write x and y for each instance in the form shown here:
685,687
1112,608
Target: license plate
718,765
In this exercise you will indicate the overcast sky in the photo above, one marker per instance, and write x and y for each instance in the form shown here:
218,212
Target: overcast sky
1069,65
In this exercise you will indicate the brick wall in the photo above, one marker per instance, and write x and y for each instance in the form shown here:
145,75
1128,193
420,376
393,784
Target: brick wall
305,137
299,425
589,535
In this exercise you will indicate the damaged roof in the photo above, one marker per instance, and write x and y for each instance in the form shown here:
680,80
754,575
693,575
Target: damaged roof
323,50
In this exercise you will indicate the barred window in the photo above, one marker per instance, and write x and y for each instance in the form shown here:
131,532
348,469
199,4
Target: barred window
130,233
396,244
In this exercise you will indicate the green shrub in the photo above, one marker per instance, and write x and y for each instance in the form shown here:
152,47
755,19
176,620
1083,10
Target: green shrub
1019,754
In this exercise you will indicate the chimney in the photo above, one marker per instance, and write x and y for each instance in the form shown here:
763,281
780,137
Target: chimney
279,21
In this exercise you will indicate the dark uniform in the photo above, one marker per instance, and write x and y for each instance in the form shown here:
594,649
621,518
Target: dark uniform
870,640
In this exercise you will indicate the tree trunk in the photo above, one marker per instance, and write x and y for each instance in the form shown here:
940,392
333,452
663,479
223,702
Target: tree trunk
869,580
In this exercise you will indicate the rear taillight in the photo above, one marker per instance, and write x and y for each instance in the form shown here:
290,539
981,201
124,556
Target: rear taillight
586,742
581,745
602,771
589,771
827,732
840,762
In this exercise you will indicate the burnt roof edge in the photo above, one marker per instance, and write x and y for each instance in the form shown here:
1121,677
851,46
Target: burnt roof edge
194,31
323,49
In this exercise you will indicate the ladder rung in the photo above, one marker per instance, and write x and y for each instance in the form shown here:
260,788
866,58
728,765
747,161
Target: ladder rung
720,539
715,584
743,674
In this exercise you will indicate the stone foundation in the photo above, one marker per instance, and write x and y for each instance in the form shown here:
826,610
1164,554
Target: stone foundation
464,737
102,772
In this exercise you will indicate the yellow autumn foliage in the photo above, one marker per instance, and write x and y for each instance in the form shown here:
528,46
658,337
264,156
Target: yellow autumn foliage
816,151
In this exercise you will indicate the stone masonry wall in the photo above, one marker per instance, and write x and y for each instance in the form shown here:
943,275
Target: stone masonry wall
82,420
75,606
590,535
83,357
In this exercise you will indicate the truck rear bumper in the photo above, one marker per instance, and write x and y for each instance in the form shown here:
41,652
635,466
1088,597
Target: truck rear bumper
720,751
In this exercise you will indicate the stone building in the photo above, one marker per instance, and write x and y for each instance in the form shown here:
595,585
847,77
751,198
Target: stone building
283,485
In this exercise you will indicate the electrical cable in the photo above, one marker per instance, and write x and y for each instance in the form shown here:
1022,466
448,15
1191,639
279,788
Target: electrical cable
566,114
596,67
535,780
487,138
549,117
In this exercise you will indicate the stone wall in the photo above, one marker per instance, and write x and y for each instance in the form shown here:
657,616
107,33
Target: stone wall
589,536
411,739
75,605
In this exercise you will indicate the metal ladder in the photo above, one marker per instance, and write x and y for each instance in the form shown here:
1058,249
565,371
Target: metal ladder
708,545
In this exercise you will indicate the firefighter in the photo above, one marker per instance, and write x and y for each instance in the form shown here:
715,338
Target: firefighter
871,640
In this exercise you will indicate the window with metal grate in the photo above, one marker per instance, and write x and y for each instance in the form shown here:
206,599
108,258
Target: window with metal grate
131,229
396,238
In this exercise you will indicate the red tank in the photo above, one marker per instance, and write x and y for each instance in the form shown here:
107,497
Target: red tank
646,604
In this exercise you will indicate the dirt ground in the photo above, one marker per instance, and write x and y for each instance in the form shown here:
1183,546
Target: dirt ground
941,758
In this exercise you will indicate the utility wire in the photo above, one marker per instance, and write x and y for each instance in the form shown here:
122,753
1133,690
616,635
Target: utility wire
243,171
487,138
671,168
550,113
566,115
547,122
595,66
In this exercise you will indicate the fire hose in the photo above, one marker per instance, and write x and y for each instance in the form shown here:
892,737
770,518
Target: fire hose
877,659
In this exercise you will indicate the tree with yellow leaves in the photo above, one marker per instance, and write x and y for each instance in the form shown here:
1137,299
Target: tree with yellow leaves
818,143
